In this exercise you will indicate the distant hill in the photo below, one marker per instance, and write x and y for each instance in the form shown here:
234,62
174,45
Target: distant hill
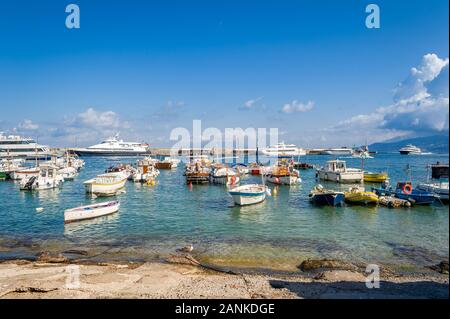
435,144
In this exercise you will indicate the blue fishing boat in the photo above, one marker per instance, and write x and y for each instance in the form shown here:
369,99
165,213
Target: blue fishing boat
404,190
321,196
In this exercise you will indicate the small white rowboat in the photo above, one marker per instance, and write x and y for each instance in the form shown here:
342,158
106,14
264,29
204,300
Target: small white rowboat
249,194
90,211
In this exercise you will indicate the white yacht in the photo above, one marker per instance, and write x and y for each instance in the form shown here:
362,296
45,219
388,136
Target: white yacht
410,149
15,146
113,147
283,150
343,151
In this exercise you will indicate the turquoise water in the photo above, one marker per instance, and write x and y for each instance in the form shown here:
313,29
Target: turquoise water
278,234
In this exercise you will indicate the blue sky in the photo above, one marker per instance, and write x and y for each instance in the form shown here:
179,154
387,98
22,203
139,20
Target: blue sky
310,68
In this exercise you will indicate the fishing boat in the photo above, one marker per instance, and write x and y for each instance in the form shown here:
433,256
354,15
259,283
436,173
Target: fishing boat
410,149
337,171
440,189
48,178
300,165
224,175
322,196
375,177
90,211
7,166
24,173
196,173
358,195
404,190
283,173
145,171
107,184
241,168
249,194
68,173
438,184
167,163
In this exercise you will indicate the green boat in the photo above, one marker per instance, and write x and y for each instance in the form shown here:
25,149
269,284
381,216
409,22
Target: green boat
2,176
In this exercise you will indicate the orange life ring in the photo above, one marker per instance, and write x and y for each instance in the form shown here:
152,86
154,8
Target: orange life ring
407,189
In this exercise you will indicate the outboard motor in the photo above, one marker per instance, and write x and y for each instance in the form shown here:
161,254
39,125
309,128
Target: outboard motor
30,183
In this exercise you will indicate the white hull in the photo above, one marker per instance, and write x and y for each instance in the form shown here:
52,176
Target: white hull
440,189
248,194
24,174
42,183
283,180
105,185
225,180
341,177
248,200
90,211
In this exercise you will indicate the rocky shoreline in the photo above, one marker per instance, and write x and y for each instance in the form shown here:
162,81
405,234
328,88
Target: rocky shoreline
182,276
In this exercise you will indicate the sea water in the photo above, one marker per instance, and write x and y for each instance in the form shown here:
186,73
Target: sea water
277,234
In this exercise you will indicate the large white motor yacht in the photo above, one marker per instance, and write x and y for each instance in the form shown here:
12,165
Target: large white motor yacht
114,147
283,150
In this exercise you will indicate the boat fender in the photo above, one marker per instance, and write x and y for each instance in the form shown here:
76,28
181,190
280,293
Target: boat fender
233,180
407,189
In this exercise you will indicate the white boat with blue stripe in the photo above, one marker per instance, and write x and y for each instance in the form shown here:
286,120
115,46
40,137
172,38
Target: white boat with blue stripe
249,194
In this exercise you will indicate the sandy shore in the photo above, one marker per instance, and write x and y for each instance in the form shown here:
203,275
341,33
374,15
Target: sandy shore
33,279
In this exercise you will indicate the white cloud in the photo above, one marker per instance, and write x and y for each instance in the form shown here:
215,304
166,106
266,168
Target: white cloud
96,119
250,103
28,125
296,106
421,105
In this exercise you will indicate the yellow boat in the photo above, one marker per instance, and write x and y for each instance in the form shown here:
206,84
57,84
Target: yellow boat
358,195
375,177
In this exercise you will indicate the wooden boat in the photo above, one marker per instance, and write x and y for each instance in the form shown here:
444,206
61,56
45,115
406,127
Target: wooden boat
283,173
249,194
337,171
321,196
393,202
145,172
167,163
358,195
90,211
195,173
106,184
300,165
404,190
375,177
48,178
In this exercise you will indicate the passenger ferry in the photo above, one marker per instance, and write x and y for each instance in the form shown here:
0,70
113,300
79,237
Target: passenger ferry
15,146
410,149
